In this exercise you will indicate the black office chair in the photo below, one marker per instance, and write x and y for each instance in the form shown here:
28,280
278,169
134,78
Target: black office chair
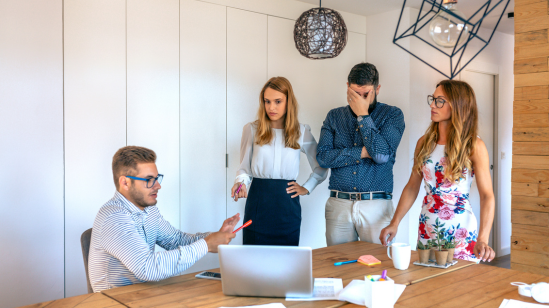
85,240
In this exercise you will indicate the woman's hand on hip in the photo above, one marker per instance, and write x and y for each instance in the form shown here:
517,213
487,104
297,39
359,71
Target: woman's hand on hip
484,252
297,189
390,231
241,194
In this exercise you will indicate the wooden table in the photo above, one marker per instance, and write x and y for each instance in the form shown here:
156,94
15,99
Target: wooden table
462,285
81,301
188,291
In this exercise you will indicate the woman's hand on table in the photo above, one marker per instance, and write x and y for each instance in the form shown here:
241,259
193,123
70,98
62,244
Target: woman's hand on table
389,231
484,252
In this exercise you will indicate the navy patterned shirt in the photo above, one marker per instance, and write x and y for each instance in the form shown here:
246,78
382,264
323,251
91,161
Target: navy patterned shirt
342,137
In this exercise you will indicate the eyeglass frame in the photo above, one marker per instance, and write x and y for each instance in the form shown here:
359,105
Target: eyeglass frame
436,101
161,176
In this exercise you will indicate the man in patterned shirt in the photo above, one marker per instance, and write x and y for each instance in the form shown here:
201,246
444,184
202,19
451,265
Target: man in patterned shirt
128,226
359,143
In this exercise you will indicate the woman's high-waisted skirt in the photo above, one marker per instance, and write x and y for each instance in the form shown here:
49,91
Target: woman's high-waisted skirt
275,215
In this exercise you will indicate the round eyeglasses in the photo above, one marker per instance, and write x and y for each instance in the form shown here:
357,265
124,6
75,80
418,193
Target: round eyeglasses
150,181
439,102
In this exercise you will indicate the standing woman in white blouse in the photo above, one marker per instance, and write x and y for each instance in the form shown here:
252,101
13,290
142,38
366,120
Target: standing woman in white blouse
269,153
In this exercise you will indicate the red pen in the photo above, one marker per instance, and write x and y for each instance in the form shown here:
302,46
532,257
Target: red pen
243,226
238,189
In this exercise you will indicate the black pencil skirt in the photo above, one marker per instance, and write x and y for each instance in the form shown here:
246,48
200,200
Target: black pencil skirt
275,215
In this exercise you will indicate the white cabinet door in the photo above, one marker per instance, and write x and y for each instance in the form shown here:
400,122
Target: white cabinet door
31,159
202,120
153,91
246,75
319,86
95,118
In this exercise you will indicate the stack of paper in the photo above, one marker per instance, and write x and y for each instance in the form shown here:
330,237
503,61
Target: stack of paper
511,303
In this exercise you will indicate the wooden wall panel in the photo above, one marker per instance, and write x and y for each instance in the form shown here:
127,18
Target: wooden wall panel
531,106
530,178
524,189
532,38
529,203
529,175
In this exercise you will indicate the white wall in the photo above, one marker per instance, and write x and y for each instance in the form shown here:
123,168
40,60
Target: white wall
31,155
80,79
407,81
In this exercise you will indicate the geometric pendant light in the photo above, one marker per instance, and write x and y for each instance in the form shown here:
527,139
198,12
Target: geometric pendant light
439,25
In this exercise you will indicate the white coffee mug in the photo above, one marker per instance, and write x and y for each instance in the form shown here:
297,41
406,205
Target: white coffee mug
401,255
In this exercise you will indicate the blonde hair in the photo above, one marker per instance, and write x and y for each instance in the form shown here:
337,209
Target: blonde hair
462,133
264,133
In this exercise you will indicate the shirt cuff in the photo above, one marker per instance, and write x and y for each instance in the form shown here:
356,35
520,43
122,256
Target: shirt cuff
310,185
367,121
243,177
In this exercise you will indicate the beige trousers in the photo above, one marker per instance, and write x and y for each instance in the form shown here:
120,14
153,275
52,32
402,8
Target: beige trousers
348,221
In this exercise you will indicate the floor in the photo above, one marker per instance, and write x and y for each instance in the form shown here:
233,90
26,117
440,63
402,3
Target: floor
503,262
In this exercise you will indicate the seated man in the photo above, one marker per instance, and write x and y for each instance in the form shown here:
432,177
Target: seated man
128,226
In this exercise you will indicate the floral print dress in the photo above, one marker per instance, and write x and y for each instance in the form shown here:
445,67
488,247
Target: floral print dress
447,206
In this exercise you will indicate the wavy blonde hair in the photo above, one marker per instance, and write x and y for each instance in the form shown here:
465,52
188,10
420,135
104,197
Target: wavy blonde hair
462,133
264,133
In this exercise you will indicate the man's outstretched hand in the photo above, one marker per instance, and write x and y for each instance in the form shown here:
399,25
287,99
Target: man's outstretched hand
224,235
230,223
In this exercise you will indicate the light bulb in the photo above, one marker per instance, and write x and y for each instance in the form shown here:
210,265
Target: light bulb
445,28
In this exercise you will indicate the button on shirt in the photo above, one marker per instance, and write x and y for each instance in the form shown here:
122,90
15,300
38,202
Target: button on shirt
342,137
123,243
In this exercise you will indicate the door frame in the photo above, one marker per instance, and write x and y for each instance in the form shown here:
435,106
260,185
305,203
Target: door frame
493,70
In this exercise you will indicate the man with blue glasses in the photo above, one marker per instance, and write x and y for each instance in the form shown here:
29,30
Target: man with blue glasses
129,225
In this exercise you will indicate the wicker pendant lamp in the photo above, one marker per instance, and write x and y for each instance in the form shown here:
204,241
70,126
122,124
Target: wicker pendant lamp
320,33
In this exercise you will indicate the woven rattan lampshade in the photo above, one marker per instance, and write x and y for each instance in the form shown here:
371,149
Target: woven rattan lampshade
320,33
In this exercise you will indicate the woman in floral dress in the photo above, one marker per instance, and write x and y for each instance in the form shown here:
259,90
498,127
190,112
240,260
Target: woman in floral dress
447,158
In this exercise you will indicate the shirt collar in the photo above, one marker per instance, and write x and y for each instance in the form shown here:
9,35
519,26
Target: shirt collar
129,205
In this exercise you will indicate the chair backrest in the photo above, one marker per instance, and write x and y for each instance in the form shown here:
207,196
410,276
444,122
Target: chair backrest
85,242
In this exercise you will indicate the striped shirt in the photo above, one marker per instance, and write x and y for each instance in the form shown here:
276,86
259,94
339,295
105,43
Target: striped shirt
123,242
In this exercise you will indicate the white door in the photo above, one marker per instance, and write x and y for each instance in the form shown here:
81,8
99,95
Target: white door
484,87
202,120
246,75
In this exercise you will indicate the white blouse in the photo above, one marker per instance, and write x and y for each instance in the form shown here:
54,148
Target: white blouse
275,160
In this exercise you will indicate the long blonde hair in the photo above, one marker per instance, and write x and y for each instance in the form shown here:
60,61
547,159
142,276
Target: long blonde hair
462,133
264,133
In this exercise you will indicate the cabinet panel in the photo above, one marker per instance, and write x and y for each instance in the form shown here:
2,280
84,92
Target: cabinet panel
246,75
31,122
202,120
153,91
95,118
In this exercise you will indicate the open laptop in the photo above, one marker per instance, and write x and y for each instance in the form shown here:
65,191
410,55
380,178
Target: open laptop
269,271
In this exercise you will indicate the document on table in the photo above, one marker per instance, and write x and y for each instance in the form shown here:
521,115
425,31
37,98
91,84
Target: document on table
355,292
324,289
511,303
273,305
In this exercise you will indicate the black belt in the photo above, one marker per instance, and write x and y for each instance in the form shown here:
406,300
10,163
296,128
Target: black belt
361,196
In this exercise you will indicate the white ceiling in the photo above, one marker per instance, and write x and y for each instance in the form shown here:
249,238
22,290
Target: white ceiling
373,7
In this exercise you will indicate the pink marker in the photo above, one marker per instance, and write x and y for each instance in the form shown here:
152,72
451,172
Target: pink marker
238,189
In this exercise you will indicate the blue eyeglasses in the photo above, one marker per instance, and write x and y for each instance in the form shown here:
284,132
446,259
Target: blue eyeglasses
150,181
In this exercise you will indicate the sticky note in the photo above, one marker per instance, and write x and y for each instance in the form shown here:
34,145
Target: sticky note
368,260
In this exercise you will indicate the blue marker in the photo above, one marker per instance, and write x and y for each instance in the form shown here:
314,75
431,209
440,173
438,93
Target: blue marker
346,262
